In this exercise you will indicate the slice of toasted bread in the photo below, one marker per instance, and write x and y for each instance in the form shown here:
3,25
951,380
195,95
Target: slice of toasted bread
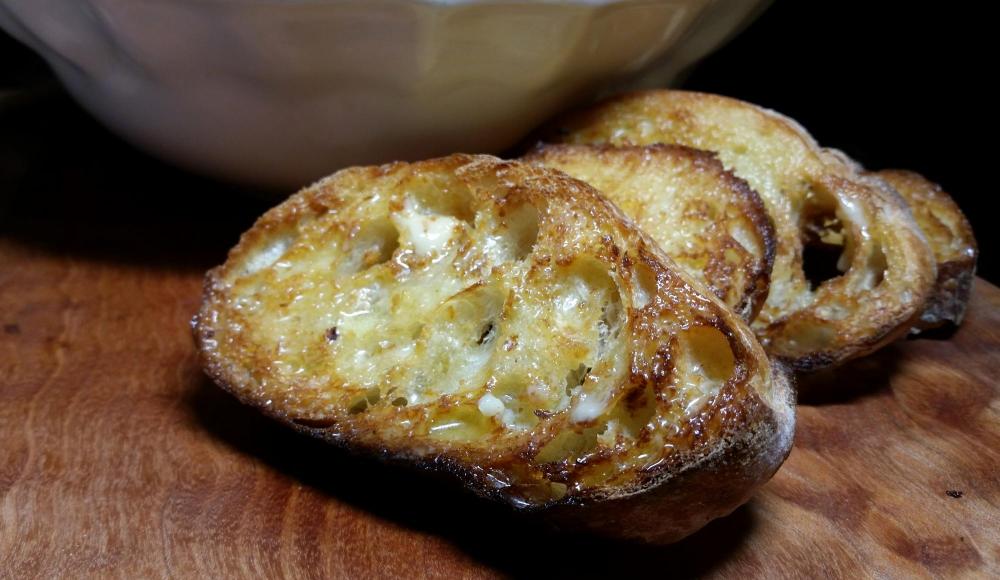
885,269
950,236
503,323
706,219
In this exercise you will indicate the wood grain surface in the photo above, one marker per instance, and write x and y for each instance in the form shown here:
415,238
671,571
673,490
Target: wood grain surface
120,459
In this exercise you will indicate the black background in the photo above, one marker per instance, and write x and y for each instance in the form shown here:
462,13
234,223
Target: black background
899,85
892,84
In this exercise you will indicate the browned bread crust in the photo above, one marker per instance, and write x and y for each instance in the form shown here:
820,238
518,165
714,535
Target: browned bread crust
950,236
705,218
886,269
505,324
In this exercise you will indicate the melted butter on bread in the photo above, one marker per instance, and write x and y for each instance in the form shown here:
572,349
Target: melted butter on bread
501,322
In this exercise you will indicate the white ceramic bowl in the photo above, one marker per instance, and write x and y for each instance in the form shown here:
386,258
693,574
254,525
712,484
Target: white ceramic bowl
280,92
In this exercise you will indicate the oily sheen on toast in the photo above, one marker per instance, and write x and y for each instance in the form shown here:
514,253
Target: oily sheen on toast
706,219
950,236
884,267
504,324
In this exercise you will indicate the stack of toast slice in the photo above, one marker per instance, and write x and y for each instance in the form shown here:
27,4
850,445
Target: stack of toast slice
860,257
601,331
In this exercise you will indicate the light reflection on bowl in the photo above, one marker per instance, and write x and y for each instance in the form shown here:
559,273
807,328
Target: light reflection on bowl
280,92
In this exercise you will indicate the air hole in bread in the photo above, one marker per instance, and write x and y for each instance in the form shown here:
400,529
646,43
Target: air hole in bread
588,319
644,285
610,324
488,335
819,263
371,244
361,402
707,364
575,378
521,230
709,350
457,341
444,199
588,295
270,252
824,243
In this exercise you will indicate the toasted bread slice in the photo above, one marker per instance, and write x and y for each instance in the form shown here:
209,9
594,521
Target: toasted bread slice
950,236
885,270
706,219
506,324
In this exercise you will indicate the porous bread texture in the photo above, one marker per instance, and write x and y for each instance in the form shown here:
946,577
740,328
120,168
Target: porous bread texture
886,268
505,324
706,219
952,240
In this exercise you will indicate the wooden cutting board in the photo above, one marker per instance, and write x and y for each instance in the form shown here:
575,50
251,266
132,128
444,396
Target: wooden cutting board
120,459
